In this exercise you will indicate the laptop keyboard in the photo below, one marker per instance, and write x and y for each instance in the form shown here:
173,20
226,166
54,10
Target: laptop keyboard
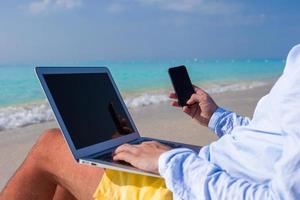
105,157
108,156
172,145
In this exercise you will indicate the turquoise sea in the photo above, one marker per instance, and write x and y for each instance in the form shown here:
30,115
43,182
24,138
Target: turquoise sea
142,83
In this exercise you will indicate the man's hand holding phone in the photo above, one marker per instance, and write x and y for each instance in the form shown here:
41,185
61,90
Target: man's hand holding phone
200,106
194,101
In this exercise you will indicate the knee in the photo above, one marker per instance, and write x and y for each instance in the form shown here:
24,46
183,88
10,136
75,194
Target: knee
49,137
49,141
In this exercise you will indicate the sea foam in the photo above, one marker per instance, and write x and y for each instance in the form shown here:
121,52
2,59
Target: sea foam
23,115
145,100
18,116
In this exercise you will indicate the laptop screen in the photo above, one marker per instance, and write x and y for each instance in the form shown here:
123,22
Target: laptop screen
89,107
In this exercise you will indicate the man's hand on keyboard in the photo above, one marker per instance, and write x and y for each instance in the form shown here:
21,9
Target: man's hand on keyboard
143,156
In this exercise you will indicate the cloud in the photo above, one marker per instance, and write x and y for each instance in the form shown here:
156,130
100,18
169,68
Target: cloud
68,3
175,5
210,7
37,7
203,6
115,8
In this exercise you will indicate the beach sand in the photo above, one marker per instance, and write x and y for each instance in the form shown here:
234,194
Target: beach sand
159,121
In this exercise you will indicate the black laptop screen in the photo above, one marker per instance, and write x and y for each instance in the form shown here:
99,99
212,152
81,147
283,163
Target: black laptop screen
89,107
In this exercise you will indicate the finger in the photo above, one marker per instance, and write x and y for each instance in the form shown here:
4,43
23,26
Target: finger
195,112
151,143
172,95
198,89
125,156
175,104
186,109
126,148
154,143
195,98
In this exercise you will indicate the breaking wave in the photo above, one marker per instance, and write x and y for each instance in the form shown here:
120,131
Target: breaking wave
23,115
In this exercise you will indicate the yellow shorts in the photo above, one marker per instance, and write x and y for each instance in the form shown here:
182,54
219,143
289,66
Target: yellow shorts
117,185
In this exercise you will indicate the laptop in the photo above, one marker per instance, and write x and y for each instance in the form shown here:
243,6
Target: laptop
92,115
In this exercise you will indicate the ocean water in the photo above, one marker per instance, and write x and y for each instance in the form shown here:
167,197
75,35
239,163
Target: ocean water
141,83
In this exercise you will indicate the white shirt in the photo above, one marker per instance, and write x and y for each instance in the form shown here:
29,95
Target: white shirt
253,159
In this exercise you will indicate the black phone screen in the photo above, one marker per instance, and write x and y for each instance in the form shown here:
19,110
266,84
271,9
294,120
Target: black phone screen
182,84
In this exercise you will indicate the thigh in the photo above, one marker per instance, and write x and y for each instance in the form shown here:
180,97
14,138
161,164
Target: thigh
62,194
56,160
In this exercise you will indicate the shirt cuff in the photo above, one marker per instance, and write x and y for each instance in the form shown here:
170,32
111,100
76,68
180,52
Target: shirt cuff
213,122
164,159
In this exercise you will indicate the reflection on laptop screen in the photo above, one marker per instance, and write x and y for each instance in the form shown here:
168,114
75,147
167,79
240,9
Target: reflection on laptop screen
89,106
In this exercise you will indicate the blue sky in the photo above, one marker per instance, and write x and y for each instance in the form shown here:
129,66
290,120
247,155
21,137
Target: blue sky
80,30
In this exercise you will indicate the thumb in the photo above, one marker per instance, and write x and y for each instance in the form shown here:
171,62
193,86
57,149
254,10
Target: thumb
198,90
194,99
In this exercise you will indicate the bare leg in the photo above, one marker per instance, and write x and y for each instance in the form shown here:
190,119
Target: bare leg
62,194
48,165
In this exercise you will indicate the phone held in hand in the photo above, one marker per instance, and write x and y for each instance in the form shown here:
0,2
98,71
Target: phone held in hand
182,84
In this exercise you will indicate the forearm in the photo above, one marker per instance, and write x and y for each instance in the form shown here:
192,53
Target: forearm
223,122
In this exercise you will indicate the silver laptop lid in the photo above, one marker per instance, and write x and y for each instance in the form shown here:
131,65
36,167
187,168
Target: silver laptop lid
88,108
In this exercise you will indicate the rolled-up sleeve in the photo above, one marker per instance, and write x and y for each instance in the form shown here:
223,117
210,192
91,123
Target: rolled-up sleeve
189,176
223,122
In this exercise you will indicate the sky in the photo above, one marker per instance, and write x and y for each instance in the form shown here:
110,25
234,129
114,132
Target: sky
83,30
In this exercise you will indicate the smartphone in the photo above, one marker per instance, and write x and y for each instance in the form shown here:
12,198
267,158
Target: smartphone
182,84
